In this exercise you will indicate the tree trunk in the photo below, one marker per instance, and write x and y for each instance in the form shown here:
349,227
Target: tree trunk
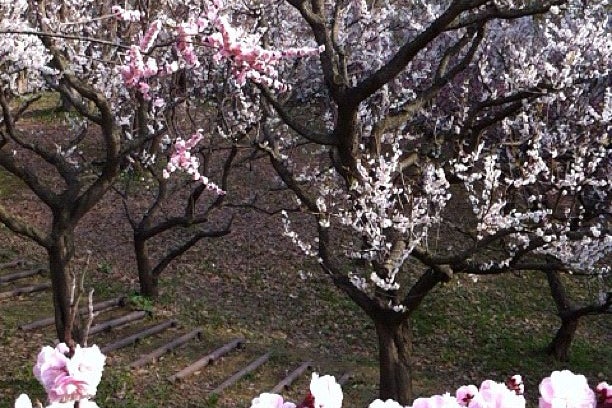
148,281
60,254
395,359
559,347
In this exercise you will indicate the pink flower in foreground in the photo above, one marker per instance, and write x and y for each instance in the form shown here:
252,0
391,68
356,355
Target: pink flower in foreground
497,395
564,389
604,395
436,401
385,404
24,402
465,394
69,379
267,400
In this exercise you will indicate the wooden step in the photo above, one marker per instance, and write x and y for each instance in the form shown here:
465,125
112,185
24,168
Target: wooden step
254,365
206,360
24,290
166,348
136,337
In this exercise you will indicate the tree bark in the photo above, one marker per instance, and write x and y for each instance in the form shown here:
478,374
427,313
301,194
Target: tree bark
60,253
559,346
148,281
395,359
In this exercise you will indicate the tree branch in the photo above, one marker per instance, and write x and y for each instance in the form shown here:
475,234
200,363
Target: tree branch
409,50
22,228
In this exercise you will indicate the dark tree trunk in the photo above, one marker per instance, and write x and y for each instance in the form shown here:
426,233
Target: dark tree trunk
147,279
395,359
60,253
559,347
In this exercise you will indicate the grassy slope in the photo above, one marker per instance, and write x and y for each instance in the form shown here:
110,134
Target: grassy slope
464,333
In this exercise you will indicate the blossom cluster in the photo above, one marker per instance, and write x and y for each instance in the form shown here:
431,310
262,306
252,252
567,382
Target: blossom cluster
541,200
563,389
378,205
126,15
67,379
24,59
211,30
324,392
248,59
182,159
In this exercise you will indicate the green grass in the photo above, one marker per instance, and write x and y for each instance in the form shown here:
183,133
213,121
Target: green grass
9,184
500,327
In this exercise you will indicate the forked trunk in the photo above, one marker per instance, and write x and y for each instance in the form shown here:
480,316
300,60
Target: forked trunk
560,346
147,279
395,359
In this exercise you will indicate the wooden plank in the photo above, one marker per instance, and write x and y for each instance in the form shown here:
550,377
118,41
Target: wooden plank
158,352
246,370
24,290
98,307
346,377
9,277
120,321
16,262
136,337
206,360
288,380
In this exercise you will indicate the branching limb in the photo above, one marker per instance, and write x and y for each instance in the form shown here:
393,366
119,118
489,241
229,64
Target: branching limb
316,137
492,12
443,76
409,50
181,249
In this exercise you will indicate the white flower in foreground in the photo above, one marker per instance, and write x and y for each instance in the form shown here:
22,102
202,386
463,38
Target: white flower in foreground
566,389
385,404
326,391
267,400
24,402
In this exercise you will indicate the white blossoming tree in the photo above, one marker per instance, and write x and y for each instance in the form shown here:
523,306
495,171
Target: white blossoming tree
451,137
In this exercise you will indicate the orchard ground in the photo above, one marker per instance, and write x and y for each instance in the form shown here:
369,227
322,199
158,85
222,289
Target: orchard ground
255,284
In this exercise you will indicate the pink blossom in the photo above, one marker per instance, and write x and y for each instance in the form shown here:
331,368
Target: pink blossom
267,400
125,15
566,389
149,38
465,394
603,392
436,401
385,404
248,59
69,379
182,159
497,395
184,43
24,402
